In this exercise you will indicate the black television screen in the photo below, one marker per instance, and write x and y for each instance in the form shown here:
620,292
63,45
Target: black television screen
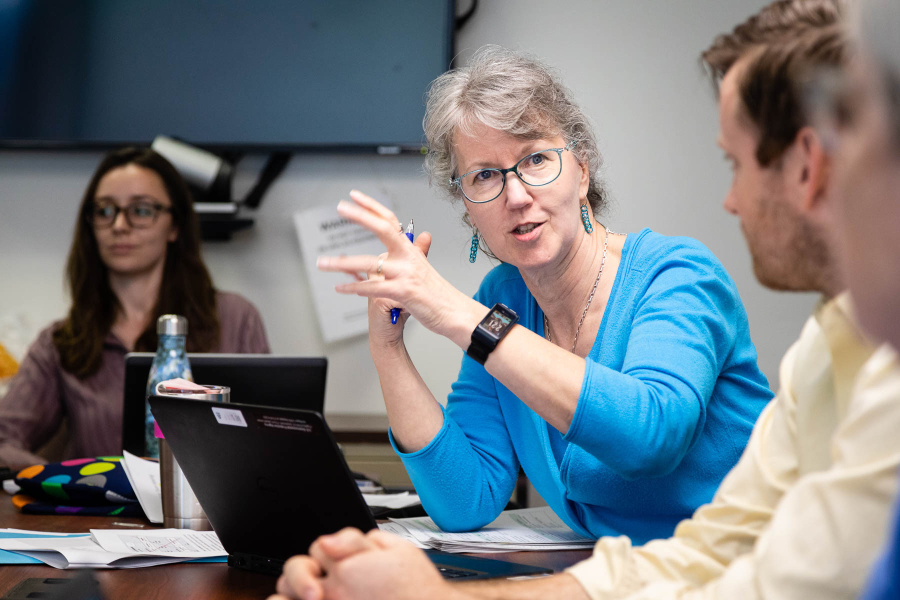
243,74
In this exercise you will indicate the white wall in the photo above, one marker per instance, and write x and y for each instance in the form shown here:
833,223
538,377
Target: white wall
633,67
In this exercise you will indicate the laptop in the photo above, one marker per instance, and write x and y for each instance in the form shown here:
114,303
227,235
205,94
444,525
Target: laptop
287,381
272,480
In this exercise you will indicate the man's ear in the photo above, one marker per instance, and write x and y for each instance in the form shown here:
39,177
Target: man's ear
815,168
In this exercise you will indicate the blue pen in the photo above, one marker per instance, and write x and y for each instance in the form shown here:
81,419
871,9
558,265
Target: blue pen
410,233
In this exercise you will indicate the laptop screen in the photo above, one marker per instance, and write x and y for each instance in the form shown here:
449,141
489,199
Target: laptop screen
283,381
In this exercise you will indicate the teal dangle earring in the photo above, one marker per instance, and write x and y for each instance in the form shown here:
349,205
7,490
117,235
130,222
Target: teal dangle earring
473,251
586,219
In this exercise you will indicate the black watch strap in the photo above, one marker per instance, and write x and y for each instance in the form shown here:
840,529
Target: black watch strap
478,352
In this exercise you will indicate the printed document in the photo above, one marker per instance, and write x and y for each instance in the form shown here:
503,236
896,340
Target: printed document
116,548
182,543
513,531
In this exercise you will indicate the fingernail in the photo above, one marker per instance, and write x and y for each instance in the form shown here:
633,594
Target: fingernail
322,261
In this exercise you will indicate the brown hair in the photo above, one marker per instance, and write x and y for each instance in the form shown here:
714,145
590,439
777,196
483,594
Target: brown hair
773,21
770,85
186,287
782,44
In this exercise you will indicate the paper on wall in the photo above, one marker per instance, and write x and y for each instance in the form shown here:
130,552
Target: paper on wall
322,232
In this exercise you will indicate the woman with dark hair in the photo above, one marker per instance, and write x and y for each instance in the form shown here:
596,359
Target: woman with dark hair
135,256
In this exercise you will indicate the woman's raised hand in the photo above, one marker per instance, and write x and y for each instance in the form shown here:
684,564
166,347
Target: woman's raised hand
400,277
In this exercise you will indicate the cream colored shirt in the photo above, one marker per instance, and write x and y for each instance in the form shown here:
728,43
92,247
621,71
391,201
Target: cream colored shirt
805,510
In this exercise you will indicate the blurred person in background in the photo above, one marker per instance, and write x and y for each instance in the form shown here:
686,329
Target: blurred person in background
135,256
863,119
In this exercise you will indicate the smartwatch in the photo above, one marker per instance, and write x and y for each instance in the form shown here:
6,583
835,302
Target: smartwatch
490,331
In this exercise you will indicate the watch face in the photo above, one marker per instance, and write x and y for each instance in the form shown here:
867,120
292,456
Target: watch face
496,322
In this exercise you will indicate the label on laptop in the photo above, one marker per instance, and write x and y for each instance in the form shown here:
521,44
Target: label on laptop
229,416
285,423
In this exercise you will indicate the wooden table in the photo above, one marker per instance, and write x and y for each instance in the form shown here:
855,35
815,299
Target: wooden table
183,580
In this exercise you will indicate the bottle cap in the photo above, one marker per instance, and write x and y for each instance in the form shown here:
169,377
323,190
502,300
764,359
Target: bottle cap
171,325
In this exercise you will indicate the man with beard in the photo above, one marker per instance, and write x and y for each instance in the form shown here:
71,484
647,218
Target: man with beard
803,513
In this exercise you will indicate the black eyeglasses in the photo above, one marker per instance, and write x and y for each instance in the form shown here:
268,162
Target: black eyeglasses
536,169
138,215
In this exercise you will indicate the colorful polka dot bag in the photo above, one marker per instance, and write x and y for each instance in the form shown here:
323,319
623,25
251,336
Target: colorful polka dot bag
82,486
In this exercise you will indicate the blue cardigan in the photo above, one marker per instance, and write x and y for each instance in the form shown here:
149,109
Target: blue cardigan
671,391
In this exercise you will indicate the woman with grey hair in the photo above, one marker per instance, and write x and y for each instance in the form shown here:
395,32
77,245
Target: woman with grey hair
616,370
867,178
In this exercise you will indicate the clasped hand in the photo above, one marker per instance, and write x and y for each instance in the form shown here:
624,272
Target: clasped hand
351,565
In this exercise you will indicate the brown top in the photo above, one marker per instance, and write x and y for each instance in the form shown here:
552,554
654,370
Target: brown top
42,393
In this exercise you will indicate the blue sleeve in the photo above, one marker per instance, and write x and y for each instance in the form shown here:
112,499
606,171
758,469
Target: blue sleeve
884,580
466,474
642,421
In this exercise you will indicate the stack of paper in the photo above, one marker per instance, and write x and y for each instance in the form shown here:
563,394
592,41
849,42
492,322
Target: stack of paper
115,548
513,531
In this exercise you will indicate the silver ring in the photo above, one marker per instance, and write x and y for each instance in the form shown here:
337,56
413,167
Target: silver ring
380,265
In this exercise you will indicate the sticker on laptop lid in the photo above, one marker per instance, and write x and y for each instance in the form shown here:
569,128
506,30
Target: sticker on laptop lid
229,416
285,423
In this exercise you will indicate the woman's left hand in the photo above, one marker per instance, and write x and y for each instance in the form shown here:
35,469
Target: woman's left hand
402,274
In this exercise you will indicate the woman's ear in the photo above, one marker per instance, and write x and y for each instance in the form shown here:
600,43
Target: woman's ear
585,183
173,234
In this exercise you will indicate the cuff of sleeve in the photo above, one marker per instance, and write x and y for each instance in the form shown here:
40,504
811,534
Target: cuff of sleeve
429,447
608,574
17,459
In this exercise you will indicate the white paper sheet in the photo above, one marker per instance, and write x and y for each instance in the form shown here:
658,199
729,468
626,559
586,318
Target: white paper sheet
78,553
144,478
182,543
513,531
401,531
401,500
115,548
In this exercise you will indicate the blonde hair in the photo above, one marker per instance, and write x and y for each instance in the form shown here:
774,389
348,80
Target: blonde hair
513,93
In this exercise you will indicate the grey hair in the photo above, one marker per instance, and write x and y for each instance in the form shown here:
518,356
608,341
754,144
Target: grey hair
513,93
876,26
